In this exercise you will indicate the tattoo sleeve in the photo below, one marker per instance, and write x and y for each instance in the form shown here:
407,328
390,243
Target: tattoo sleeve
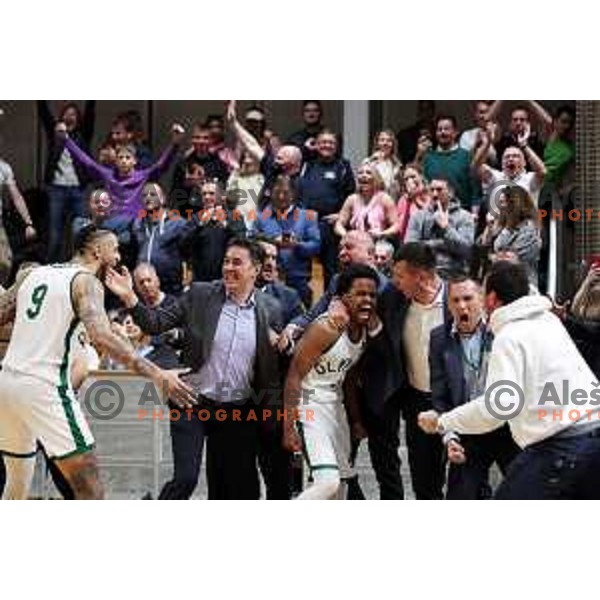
88,300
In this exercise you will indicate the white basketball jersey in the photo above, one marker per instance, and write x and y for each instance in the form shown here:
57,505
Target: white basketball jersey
44,334
327,375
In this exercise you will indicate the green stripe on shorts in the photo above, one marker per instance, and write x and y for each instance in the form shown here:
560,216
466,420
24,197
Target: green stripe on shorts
80,444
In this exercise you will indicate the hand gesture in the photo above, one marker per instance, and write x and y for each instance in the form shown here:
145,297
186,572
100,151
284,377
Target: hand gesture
442,217
523,138
456,453
174,388
120,284
428,421
338,314
177,134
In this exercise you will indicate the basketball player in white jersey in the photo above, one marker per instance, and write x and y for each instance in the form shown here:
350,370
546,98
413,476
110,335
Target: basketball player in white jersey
37,404
323,359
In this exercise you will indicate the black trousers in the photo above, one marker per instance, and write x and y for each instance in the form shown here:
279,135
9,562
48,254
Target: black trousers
470,481
425,452
187,444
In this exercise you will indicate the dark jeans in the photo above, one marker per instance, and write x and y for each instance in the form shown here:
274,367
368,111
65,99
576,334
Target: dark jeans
63,200
470,481
564,468
187,443
329,251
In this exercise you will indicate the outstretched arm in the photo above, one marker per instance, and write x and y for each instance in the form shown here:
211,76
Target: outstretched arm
94,169
88,301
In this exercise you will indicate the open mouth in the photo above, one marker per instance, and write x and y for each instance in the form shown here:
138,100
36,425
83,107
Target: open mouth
464,319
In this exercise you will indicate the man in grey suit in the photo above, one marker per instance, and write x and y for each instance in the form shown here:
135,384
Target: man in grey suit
229,346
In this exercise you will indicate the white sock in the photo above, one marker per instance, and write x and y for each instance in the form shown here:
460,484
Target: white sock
19,474
327,489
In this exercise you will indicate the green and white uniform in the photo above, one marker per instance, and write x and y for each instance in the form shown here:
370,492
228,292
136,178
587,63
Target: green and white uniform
323,422
37,402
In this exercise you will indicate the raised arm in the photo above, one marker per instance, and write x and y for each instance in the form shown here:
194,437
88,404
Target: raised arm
246,139
478,164
542,115
95,169
169,153
88,302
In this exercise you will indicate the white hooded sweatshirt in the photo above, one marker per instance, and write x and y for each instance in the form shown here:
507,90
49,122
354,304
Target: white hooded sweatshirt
533,350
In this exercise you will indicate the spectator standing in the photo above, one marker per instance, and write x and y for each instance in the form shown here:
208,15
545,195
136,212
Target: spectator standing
296,233
209,233
161,239
125,183
243,190
324,184
385,159
415,196
471,139
370,208
65,178
446,228
449,161
198,155
424,127
520,123
306,138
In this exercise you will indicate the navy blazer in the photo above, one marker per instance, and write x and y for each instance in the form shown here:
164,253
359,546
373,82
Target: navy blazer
448,383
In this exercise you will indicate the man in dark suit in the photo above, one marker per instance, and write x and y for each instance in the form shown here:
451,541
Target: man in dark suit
396,379
229,345
458,356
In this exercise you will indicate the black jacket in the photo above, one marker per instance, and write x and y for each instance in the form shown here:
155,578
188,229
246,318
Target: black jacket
384,361
82,135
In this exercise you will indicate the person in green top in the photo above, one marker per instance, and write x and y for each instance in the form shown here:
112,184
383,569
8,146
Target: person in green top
559,153
449,161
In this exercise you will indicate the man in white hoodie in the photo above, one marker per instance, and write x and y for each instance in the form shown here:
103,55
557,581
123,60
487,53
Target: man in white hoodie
541,385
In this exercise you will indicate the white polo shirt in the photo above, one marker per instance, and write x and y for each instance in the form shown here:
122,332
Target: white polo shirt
421,319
